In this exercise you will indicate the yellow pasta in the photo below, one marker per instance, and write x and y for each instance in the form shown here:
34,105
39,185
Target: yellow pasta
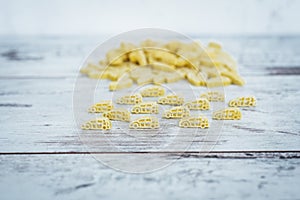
194,122
118,114
154,91
158,63
196,79
214,45
177,112
145,108
144,123
233,77
130,99
218,82
171,100
228,114
172,77
101,106
118,85
198,104
115,57
102,123
213,96
242,102
159,79
138,57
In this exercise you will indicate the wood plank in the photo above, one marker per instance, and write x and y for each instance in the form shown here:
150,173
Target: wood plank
42,109
37,80
81,177
61,56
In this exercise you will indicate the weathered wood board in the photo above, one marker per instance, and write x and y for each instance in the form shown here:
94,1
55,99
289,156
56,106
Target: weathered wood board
42,150
81,177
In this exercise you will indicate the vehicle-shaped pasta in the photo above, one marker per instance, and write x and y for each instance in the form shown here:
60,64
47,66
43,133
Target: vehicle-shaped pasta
102,123
118,114
171,100
177,112
194,122
145,123
145,108
130,99
102,106
227,114
242,102
154,91
198,104
213,96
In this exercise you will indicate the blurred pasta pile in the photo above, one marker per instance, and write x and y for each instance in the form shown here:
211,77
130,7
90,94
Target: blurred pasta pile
159,63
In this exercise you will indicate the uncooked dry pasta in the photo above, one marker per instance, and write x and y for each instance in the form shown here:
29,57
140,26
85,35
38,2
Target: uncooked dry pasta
158,63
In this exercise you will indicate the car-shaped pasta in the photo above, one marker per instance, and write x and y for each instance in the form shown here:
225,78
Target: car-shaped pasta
177,112
130,99
102,106
242,102
198,104
227,114
145,123
145,108
171,100
118,114
194,122
154,91
102,123
213,96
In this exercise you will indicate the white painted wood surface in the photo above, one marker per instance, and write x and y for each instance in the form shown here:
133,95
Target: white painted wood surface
37,131
81,177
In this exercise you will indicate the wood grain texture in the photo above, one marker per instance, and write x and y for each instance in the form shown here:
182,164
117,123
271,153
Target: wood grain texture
80,177
42,109
43,156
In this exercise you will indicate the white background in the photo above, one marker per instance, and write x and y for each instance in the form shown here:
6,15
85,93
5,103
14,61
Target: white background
87,17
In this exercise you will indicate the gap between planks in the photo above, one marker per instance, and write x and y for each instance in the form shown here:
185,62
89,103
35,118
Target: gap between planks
282,154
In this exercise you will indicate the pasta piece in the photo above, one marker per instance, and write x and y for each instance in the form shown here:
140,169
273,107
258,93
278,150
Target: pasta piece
228,114
102,123
198,104
118,85
130,99
138,72
102,106
213,96
159,79
218,82
153,91
127,47
138,57
177,112
237,80
196,79
118,114
171,100
172,77
145,123
145,108
162,67
115,57
145,80
214,45
194,122
243,102
164,56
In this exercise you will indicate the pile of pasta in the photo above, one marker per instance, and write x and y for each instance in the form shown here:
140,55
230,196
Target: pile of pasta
159,63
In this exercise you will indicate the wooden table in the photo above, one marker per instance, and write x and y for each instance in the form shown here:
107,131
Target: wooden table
43,157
